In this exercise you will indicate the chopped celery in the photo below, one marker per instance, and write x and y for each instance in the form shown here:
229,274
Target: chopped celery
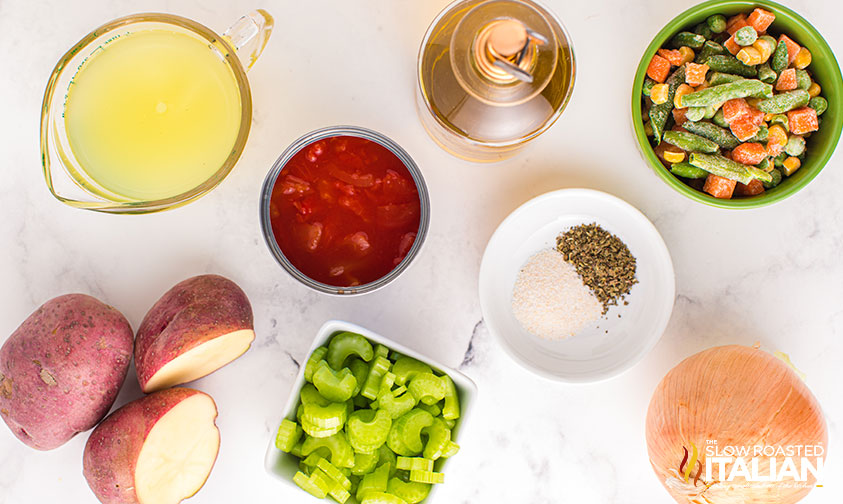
309,485
338,386
397,391
451,449
380,366
341,453
364,463
382,351
334,473
409,427
375,481
427,477
407,367
433,409
288,435
387,456
382,498
411,491
309,395
340,494
325,417
395,406
360,370
313,361
451,410
438,437
345,344
315,431
367,430
427,388
414,464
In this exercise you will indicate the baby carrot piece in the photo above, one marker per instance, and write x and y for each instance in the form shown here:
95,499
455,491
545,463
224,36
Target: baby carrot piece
658,69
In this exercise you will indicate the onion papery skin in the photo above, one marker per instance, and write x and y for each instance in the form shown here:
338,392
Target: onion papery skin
737,396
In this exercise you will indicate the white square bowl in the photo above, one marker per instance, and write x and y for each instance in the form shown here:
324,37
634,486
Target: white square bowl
283,465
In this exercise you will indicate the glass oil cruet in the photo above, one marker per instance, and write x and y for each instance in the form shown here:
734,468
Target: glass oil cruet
493,75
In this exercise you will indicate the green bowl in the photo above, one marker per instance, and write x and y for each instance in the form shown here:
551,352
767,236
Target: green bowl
824,68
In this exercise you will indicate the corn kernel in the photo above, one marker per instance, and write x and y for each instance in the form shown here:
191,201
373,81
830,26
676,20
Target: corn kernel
659,93
687,54
702,86
681,91
768,117
753,102
790,165
749,56
803,58
676,157
814,90
765,48
648,128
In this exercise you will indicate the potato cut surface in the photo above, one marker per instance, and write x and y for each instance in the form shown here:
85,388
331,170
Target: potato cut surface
202,360
178,453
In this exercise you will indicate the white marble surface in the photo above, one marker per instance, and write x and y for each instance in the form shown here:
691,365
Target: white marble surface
772,275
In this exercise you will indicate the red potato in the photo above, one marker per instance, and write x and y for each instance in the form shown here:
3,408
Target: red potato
158,449
61,370
197,327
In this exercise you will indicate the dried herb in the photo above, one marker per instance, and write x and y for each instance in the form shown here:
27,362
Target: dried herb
603,261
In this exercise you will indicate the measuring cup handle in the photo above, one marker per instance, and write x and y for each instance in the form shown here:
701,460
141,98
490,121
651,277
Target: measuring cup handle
249,35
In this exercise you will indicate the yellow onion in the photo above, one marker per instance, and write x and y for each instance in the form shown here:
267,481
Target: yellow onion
734,396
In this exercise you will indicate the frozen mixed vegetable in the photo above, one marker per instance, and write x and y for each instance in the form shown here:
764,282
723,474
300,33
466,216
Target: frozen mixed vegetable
729,106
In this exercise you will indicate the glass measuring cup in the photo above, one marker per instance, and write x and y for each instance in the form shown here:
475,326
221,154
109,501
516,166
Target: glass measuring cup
238,48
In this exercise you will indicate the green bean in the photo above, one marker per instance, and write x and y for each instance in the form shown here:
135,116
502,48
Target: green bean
724,92
716,23
759,174
819,104
729,64
710,48
746,36
687,170
795,145
690,142
775,179
778,161
694,114
761,136
721,166
779,59
692,40
711,110
660,113
721,136
783,102
803,79
718,78
766,74
719,119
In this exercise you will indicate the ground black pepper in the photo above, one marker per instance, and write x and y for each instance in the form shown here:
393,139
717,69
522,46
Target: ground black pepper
603,261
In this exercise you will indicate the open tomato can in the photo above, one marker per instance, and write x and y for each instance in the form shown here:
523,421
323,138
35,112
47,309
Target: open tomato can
344,210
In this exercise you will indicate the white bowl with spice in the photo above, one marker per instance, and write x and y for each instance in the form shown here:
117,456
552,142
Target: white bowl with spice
577,285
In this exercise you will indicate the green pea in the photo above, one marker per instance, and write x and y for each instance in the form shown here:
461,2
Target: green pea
819,104
746,36
716,23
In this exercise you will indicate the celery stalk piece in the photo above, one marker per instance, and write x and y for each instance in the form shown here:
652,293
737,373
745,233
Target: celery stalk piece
337,386
313,361
288,435
346,344
427,477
